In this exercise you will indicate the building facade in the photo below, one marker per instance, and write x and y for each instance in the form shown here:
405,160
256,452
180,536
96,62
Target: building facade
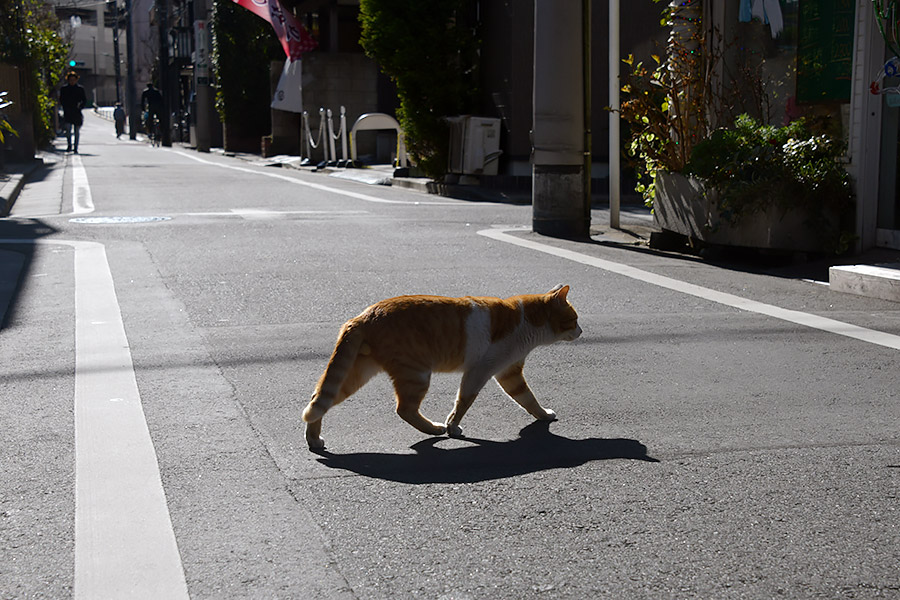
874,160
96,31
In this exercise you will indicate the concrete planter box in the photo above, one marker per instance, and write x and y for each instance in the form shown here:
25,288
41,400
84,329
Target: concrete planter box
683,205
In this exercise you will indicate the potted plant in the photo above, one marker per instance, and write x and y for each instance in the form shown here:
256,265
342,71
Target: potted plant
672,104
761,186
729,180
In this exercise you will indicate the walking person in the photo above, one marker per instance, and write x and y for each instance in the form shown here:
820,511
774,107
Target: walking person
72,99
119,118
152,104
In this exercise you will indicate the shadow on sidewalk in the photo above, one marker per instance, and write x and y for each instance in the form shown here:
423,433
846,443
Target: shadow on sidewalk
536,449
17,251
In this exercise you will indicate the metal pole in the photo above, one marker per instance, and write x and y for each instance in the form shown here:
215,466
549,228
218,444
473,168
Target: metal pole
96,71
344,134
162,22
586,85
304,134
130,91
329,131
615,157
323,128
118,68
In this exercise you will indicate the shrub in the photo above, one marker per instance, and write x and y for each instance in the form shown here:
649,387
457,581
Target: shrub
243,46
29,39
430,51
755,167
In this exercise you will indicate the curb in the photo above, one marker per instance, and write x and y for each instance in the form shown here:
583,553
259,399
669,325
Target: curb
10,189
874,281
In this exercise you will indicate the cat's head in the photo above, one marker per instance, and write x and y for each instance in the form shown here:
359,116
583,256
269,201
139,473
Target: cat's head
563,318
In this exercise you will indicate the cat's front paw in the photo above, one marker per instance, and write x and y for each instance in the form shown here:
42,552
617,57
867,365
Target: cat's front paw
548,415
316,443
454,431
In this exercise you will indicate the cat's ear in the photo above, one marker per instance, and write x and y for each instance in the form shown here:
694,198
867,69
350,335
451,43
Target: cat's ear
559,292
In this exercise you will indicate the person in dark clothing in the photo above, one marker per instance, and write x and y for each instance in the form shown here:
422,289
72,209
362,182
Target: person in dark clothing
119,118
72,99
152,103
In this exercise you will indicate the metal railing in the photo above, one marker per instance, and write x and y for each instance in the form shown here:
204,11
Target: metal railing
326,138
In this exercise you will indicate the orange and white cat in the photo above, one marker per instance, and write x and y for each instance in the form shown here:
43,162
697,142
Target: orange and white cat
410,337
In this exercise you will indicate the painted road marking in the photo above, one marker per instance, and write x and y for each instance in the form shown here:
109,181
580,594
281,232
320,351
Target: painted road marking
793,316
82,201
261,214
125,546
243,212
325,188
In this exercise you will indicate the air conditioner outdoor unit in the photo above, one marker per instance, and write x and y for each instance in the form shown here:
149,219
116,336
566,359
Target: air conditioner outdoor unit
474,145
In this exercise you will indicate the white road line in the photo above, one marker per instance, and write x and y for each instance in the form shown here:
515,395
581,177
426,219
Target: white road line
801,318
325,188
242,212
82,201
125,546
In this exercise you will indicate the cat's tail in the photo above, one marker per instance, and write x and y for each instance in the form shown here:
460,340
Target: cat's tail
342,359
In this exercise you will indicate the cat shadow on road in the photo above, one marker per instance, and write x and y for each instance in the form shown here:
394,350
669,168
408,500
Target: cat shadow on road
536,449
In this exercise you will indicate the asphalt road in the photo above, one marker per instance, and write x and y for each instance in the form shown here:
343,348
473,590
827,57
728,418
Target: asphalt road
707,446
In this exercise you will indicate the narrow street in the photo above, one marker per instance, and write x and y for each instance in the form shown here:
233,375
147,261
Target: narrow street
721,434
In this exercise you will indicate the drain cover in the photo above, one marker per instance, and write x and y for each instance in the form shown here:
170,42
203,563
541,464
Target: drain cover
117,220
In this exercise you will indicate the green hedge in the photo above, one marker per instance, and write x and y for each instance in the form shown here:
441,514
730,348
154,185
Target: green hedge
243,47
29,39
430,51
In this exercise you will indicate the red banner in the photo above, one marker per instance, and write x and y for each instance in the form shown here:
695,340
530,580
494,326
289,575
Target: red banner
291,33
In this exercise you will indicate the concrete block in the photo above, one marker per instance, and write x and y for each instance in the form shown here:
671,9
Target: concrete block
873,281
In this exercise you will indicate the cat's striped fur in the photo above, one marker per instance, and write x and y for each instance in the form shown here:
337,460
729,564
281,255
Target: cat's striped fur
410,337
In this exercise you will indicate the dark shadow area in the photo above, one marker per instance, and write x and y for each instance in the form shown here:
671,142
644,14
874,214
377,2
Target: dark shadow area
774,263
536,449
288,357
16,265
517,189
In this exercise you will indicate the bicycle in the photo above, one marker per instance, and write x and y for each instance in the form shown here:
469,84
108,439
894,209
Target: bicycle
151,126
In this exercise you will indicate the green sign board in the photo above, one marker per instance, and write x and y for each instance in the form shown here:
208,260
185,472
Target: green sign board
825,50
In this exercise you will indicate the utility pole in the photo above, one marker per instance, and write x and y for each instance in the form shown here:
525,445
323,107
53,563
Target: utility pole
118,68
162,23
615,132
130,91
202,108
560,173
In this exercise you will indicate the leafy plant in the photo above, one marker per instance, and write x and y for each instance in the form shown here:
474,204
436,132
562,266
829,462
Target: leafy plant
754,166
30,40
4,124
672,105
430,51
646,110
243,46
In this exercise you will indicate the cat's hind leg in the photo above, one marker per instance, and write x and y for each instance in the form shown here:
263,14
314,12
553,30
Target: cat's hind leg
360,373
410,386
513,383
